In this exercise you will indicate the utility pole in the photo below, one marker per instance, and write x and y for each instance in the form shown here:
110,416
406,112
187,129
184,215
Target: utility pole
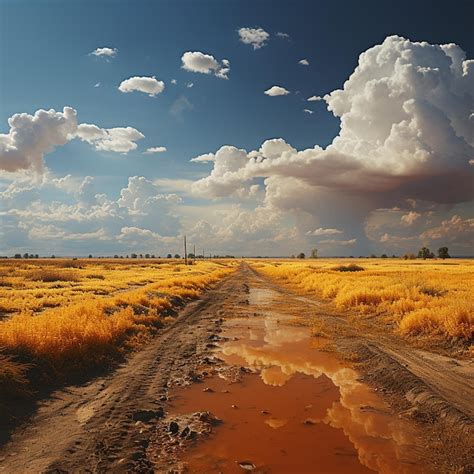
185,252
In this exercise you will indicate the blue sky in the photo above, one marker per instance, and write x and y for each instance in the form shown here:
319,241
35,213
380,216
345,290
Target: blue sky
45,63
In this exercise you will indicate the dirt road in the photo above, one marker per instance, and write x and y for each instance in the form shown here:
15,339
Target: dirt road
116,423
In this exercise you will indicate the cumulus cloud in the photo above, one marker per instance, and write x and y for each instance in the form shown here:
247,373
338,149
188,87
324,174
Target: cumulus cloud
148,85
280,34
314,98
308,111
141,196
322,231
31,136
155,149
174,81
119,139
276,91
206,158
410,218
303,62
105,52
195,61
404,128
257,37
451,228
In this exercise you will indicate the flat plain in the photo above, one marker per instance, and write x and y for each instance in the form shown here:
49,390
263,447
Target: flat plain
146,365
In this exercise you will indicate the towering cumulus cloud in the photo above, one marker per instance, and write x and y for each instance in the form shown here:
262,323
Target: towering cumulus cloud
406,127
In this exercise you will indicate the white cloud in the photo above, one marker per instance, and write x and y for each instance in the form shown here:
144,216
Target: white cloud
410,218
314,98
451,228
31,136
179,106
205,64
275,91
174,81
308,111
105,52
283,35
155,149
257,37
303,62
148,85
119,139
206,158
97,84
404,128
323,231
189,85
338,242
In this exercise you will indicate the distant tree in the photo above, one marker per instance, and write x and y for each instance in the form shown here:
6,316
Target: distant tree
443,253
141,255
169,256
17,255
90,255
384,255
314,253
147,255
190,255
293,256
153,256
425,253
116,256
177,255
133,255
53,256
301,255
409,256
373,256
25,255
394,256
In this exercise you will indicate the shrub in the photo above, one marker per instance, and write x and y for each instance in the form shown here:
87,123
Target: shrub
352,267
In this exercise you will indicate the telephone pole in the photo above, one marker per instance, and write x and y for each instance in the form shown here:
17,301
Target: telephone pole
185,252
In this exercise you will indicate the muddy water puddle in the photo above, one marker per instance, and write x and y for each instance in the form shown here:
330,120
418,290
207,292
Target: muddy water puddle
295,408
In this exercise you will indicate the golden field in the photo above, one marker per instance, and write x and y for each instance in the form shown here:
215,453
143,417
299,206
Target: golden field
60,318
420,297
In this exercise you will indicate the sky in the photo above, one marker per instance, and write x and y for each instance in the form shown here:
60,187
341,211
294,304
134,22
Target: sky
252,127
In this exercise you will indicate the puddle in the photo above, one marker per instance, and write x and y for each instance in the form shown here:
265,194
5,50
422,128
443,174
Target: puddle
299,409
259,296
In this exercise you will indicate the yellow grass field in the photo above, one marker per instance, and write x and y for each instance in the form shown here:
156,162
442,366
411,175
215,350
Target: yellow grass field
421,297
65,317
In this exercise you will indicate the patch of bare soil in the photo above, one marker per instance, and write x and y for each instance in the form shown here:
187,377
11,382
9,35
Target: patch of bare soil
124,422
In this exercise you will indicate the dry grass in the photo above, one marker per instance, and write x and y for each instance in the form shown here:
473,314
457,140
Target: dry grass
423,298
49,275
100,314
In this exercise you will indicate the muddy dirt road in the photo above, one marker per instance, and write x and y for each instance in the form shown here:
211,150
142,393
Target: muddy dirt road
236,383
